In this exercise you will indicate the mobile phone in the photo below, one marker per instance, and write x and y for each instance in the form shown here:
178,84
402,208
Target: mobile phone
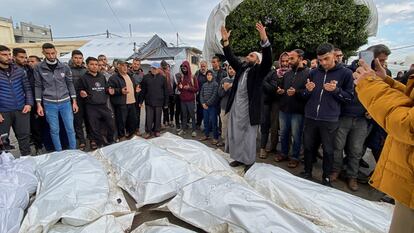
367,56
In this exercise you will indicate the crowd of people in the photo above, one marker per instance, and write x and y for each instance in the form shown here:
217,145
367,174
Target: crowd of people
307,106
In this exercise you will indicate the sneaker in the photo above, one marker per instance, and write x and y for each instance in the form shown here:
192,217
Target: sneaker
263,154
353,184
306,175
172,124
157,134
178,129
194,134
326,182
181,132
147,135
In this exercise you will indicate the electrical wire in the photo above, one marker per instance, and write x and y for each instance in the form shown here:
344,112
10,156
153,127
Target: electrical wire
115,15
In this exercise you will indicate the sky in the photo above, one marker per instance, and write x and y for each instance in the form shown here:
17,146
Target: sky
187,17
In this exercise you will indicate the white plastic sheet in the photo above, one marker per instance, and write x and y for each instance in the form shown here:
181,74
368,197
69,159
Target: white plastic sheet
194,152
218,16
148,173
17,182
331,209
223,202
160,226
74,189
10,220
105,224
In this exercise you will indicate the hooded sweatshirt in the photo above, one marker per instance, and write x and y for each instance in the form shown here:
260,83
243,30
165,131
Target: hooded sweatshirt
95,87
323,105
188,95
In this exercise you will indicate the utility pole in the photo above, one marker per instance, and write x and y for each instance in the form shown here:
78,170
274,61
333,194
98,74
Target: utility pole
107,33
130,30
50,31
177,39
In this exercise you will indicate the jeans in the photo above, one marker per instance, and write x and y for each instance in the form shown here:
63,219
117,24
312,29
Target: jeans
315,132
187,109
52,112
291,124
20,123
351,135
210,121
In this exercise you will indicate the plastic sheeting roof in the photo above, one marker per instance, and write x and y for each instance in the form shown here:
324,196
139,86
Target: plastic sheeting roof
119,48
218,16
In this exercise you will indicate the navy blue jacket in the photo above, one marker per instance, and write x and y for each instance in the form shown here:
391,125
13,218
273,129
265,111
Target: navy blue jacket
323,105
15,91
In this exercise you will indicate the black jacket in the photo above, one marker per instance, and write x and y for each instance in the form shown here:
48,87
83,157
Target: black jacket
296,79
117,82
323,105
270,84
96,87
254,80
154,90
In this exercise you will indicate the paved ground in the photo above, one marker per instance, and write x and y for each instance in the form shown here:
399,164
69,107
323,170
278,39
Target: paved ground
147,213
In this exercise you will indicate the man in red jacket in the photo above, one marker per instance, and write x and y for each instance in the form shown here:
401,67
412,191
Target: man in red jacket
188,86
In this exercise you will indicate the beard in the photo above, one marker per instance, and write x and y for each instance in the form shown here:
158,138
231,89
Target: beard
6,62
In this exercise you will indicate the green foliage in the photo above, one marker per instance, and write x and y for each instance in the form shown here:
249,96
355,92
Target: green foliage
299,24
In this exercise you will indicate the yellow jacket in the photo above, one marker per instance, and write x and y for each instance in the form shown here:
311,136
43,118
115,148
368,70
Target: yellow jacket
391,104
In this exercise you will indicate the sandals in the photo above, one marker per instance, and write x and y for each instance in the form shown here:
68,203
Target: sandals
82,146
94,146
280,158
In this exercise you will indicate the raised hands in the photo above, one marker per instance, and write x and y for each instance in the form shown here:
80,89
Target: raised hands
262,31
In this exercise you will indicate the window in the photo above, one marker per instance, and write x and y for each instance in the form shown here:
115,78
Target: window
194,60
44,33
30,29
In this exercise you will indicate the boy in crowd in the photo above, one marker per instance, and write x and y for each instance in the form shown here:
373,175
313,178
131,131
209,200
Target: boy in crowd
209,99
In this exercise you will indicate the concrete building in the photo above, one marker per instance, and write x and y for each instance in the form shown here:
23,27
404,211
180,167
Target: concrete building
23,32
6,31
30,33
62,47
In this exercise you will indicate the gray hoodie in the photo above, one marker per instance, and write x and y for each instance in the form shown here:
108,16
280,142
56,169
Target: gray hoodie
53,86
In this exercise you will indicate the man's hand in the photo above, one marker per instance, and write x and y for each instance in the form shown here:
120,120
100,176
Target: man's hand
125,91
331,86
186,87
180,86
364,71
225,35
227,86
138,89
83,94
1,119
26,109
280,91
291,91
111,91
75,107
310,85
40,111
262,31
165,107
140,105
205,106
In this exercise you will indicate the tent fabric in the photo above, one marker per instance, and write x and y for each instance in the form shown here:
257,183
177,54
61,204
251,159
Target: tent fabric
119,48
331,209
81,181
218,16
224,202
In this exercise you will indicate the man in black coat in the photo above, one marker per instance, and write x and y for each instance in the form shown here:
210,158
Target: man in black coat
155,94
245,99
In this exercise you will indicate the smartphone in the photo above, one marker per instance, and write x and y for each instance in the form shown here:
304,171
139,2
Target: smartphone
367,56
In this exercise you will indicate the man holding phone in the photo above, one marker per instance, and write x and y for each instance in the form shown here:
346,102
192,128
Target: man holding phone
327,87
